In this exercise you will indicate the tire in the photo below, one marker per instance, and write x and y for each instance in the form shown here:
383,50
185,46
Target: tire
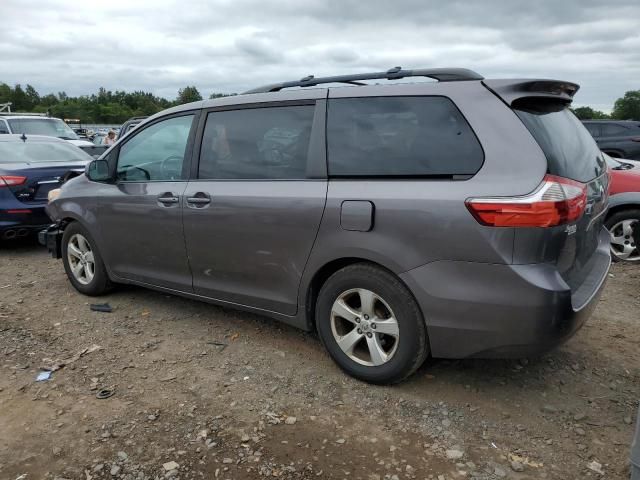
365,284
96,284
623,239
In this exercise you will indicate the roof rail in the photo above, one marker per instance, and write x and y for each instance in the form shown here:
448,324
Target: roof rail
22,114
396,73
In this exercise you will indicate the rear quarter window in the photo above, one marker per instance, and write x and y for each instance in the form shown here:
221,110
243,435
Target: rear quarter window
400,137
570,150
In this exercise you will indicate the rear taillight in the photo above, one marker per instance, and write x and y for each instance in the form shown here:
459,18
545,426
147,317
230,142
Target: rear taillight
11,180
555,202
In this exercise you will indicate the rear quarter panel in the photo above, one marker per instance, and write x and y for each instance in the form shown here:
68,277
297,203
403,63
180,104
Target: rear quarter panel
421,221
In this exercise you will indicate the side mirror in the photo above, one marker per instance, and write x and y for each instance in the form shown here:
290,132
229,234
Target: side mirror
98,171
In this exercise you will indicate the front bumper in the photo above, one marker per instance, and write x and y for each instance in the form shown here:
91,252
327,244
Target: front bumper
51,237
503,311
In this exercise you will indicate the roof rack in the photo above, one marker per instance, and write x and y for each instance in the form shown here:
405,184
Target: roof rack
22,114
396,73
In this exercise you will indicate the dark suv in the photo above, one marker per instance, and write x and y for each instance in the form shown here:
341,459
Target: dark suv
454,218
619,139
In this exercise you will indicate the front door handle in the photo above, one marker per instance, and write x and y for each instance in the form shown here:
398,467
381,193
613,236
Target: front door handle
199,199
168,198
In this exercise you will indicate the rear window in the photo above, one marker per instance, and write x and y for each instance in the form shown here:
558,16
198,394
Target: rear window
570,150
400,137
11,152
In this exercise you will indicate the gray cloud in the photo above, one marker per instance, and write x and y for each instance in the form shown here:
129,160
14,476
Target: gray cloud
232,45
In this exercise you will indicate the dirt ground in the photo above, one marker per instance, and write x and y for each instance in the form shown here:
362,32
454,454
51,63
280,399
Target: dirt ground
231,395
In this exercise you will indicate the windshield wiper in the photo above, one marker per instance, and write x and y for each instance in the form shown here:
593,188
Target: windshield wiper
68,138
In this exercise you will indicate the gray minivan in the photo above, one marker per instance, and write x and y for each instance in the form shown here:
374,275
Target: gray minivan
455,218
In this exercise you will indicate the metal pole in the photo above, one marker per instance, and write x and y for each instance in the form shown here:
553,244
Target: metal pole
635,451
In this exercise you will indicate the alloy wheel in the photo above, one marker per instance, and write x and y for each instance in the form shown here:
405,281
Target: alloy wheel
81,259
364,327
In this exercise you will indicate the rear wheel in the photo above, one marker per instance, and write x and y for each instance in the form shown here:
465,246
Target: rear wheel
371,325
623,227
83,262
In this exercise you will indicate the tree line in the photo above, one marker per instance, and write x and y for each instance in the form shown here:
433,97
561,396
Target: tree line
102,107
625,108
116,107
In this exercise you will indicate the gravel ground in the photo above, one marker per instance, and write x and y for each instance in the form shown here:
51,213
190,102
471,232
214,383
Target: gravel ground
206,392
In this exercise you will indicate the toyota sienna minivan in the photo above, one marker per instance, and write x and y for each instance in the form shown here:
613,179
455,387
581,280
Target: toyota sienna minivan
460,217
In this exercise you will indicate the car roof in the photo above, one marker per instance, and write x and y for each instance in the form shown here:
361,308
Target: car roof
37,117
31,138
623,122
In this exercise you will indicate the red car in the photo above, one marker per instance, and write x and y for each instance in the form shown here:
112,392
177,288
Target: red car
623,218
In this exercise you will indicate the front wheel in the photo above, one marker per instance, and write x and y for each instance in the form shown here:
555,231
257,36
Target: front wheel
371,325
624,228
83,262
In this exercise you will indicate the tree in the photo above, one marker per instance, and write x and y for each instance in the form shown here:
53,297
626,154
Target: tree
220,95
33,97
588,113
187,95
627,107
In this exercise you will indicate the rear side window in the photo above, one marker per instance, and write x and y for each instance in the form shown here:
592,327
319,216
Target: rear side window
570,150
400,137
613,130
263,143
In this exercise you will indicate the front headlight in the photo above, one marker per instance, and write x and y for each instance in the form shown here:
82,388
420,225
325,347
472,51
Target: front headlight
53,194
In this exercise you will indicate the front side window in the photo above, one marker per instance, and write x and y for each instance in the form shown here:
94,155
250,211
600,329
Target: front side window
157,152
261,143
400,137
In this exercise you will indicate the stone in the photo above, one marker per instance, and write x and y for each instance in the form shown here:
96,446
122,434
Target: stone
123,456
227,460
454,454
627,420
340,441
580,431
517,466
499,472
446,423
549,409
115,469
290,420
579,416
170,466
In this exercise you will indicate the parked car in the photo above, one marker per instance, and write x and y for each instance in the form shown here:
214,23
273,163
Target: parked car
31,166
455,218
623,218
617,138
35,124
129,125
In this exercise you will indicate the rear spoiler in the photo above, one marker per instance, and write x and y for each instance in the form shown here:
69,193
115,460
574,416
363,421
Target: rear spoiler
515,89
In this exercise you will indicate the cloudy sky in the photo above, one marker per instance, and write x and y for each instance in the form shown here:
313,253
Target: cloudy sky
232,45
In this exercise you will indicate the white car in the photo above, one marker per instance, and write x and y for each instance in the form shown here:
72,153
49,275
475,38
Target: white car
40,125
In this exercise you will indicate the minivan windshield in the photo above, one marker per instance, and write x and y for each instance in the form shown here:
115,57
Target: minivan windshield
37,152
50,127
570,150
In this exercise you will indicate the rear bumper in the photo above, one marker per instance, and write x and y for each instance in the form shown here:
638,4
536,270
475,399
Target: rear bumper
494,310
14,223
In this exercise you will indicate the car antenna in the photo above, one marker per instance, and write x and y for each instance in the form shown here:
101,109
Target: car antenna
23,137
